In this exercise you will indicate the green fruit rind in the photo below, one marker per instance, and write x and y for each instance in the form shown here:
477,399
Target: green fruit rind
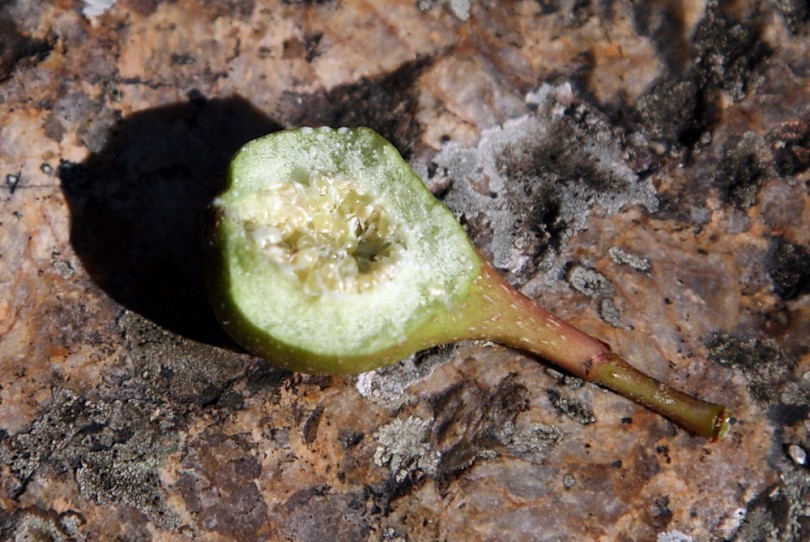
411,264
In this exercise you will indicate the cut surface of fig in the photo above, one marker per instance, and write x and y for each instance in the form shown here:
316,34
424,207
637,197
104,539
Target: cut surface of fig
330,250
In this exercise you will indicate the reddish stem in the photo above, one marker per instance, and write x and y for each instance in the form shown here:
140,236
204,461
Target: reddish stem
509,317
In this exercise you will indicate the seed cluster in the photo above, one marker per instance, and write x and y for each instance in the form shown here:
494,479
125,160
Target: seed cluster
325,233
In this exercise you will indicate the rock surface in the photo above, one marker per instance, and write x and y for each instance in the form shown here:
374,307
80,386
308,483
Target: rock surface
641,168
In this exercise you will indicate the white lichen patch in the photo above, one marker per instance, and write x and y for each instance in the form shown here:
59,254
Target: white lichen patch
325,233
797,454
622,257
537,438
405,449
460,8
590,282
611,314
94,8
534,179
673,536
388,386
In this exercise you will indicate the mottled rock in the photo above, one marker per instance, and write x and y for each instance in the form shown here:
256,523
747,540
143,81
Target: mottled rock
641,168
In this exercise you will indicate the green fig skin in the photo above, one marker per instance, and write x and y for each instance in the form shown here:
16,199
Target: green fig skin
429,286
439,329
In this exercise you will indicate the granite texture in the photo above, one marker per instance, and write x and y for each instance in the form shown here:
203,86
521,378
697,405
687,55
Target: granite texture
643,169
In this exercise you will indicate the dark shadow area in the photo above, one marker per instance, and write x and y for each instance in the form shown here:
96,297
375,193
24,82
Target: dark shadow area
137,206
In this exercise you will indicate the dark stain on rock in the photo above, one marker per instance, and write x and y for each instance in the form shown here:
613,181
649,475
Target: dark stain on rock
318,513
451,416
262,376
306,48
530,184
104,478
81,322
540,171
465,415
548,6
110,447
230,401
796,14
765,365
469,420
788,415
349,439
772,516
310,428
557,159
788,267
725,53
239,9
18,50
663,450
741,172
645,461
661,514
91,119
302,497
791,144
500,409
32,524
665,23
536,201
137,207
572,408
386,104
746,353
581,11
142,7
186,373
675,112
737,171
218,486
456,459
182,59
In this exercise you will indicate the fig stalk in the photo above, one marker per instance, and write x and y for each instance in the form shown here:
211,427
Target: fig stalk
515,320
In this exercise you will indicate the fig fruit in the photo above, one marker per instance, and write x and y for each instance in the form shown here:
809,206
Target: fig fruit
329,254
